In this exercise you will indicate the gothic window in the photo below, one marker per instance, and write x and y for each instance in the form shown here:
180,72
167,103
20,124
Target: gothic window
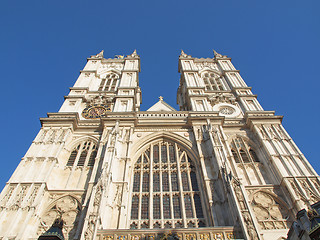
212,81
251,170
169,185
109,83
83,155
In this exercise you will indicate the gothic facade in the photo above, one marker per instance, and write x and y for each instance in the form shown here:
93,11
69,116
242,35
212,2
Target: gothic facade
219,168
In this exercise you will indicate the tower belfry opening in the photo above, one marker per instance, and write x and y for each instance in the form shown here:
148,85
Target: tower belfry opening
220,167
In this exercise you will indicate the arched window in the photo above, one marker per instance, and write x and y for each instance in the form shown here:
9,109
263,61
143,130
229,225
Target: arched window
109,83
240,148
169,185
251,170
83,155
212,81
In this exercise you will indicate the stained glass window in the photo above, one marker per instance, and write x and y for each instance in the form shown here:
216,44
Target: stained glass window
172,154
165,182
166,207
145,207
160,170
156,153
188,206
145,182
135,207
136,182
156,182
156,207
185,182
176,206
174,181
164,153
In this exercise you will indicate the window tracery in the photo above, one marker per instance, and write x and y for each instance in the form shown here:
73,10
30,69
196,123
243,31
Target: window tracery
252,170
109,83
83,155
169,186
212,81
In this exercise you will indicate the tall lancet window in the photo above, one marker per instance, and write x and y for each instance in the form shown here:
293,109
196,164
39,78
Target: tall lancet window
109,83
213,82
250,169
165,189
83,155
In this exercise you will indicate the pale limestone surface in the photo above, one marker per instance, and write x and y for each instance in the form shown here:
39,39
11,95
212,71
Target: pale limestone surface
252,178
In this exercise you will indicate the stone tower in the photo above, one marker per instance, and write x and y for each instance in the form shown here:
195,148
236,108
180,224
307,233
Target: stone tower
220,168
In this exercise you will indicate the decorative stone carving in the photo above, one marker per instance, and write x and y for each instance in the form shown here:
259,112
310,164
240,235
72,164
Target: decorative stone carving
67,208
269,212
100,99
244,210
222,98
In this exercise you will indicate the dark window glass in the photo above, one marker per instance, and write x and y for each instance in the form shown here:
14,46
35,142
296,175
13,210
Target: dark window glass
156,153
165,182
136,182
166,207
82,158
253,156
164,153
176,206
194,182
188,206
185,183
145,207
72,158
174,181
102,84
145,182
92,158
156,182
134,207
156,207
235,156
244,156
172,154
197,203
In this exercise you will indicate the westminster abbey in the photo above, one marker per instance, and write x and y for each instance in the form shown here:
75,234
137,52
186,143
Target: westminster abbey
221,167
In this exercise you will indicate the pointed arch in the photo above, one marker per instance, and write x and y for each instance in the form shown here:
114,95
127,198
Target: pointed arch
110,81
84,152
270,209
68,207
165,184
186,144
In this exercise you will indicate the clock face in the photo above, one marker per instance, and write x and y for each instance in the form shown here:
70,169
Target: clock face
95,111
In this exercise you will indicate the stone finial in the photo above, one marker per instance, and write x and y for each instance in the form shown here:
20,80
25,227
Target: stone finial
218,55
160,98
183,54
134,53
100,54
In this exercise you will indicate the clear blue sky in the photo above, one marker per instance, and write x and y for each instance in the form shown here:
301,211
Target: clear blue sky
44,44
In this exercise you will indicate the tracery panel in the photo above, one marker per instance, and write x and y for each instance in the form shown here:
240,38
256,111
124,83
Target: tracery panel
166,183
251,169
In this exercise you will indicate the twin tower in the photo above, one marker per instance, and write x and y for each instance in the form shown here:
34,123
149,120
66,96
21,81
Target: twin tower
219,168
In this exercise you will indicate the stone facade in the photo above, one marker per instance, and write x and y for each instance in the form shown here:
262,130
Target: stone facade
220,168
